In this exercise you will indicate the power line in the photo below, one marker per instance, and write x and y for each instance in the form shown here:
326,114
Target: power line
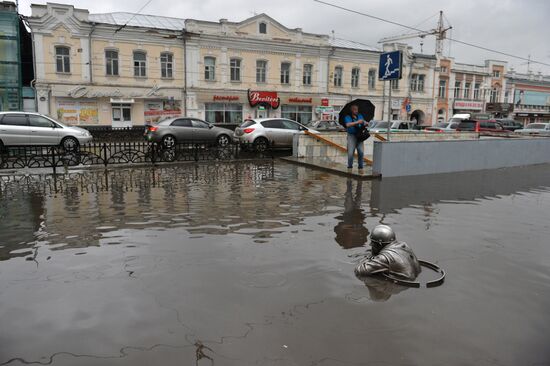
421,30
133,16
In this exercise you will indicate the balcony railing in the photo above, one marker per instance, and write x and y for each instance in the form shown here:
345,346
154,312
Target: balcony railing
532,108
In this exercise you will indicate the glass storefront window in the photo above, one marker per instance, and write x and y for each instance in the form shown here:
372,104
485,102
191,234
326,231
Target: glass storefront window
122,112
299,113
223,112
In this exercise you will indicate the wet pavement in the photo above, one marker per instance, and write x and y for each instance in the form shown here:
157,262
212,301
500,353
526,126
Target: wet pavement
252,264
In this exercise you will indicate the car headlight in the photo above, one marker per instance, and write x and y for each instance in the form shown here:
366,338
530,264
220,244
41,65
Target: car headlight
85,133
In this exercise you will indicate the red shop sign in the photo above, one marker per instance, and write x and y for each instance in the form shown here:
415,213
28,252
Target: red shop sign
324,102
299,100
264,98
225,98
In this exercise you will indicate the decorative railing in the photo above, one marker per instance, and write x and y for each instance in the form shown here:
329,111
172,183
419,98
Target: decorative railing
110,153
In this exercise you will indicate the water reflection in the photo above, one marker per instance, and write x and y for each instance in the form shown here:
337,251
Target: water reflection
351,231
380,289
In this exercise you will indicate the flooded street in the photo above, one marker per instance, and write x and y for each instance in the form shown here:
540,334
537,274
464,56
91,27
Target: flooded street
252,264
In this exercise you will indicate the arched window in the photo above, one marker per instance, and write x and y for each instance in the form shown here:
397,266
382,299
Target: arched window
111,62
338,71
166,65
262,28
209,68
62,59
355,72
140,64
261,71
235,69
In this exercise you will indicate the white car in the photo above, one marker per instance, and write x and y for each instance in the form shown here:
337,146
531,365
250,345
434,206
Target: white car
269,132
26,128
535,129
396,126
443,127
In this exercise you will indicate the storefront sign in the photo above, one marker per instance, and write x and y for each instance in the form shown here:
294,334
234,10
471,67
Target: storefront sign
225,98
300,100
470,105
322,109
87,92
324,102
156,111
396,103
264,98
499,107
77,112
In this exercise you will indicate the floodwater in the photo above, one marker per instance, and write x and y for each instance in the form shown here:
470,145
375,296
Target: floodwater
252,264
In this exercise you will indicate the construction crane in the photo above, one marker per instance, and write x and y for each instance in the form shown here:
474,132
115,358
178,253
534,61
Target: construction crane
440,33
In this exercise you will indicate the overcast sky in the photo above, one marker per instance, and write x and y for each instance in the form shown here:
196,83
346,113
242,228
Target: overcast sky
518,27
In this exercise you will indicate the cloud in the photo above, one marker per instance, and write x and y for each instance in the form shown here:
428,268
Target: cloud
516,27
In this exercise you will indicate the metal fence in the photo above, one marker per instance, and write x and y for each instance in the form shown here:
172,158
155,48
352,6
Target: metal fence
110,153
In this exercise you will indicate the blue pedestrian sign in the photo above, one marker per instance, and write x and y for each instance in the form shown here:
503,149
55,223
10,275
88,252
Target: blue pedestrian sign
390,65
408,108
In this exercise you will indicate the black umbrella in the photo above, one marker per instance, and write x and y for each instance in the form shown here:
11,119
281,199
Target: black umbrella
366,109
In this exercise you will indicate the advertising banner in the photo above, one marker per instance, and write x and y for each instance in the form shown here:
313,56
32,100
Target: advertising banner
157,111
77,112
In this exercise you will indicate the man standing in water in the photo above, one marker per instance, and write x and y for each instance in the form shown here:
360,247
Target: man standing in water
389,256
354,123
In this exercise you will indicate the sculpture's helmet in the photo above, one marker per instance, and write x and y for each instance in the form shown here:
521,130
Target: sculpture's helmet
382,235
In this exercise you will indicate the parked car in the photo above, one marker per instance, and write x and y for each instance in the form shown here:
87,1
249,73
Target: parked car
510,124
487,126
183,129
265,132
396,126
443,127
535,129
325,125
26,128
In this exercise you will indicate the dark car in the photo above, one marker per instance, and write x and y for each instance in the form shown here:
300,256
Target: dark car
183,129
483,126
510,124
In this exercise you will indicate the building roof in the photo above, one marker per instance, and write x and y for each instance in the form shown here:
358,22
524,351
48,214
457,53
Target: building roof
344,43
138,20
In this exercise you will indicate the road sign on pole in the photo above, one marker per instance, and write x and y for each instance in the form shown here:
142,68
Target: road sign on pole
390,68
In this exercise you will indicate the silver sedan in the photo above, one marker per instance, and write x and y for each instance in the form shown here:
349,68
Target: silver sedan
535,129
22,128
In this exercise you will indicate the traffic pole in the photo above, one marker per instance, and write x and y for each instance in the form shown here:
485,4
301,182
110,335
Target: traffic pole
389,114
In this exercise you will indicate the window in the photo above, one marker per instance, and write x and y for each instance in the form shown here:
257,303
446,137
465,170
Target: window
457,89
467,87
285,73
495,93
307,72
39,121
223,112
197,123
15,120
111,63
166,65
235,69
496,73
372,78
182,122
394,84
299,113
273,123
140,64
355,77
417,82
62,59
122,112
209,68
338,71
289,125
442,89
261,71
443,69
262,28
476,91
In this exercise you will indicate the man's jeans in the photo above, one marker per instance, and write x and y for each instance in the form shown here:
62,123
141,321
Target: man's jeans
352,145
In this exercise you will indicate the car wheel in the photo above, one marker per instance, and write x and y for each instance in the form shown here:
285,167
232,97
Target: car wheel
223,140
261,144
169,142
69,143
